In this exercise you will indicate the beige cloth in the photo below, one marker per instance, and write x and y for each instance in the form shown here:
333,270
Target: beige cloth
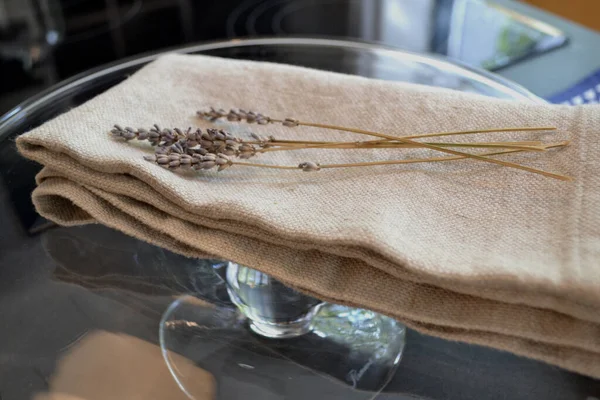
465,250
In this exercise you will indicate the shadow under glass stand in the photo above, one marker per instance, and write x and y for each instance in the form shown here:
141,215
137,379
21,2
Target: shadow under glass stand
272,328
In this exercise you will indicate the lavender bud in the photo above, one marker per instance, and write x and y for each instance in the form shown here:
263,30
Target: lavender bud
177,148
219,136
142,134
167,134
128,135
218,147
289,122
309,166
199,152
234,115
250,117
206,165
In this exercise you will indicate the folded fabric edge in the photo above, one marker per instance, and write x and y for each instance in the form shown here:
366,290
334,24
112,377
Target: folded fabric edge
517,294
577,360
176,245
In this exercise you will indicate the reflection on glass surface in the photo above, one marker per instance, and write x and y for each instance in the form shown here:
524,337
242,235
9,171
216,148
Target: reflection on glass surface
490,36
476,32
275,324
273,309
350,353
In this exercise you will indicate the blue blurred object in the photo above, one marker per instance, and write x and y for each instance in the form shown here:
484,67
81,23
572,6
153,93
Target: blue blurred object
586,91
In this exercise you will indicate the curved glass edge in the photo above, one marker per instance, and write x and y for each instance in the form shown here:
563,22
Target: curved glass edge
515,90
366,341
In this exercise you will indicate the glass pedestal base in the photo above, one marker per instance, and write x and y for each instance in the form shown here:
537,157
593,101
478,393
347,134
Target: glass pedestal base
347,354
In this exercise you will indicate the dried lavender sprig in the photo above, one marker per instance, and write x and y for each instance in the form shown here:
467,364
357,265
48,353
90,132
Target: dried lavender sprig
240,115
407,140
221,162
213,140
218,141
197,161
250,117
532,146
447,151
155,135
210,161
221,142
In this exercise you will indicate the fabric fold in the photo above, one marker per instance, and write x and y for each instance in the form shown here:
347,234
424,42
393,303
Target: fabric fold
463,250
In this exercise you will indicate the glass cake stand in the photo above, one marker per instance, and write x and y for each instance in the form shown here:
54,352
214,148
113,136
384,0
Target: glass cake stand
258,338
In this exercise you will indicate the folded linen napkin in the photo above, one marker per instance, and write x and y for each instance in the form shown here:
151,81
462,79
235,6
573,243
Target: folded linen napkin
464,250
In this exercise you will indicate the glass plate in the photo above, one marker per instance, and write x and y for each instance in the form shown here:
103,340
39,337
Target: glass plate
328,372
357,58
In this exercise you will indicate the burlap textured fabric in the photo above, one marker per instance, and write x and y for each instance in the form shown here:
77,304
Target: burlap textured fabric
464,250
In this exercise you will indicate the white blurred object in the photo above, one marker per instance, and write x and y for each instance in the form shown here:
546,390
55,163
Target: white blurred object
403,23
406,24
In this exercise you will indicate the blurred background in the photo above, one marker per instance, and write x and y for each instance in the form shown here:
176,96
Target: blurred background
45,41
